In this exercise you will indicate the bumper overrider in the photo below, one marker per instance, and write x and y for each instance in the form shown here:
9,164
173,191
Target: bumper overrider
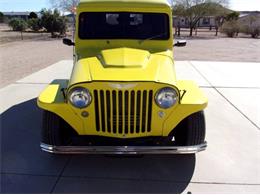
123,149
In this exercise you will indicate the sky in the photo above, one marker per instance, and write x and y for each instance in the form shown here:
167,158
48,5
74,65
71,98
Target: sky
37,5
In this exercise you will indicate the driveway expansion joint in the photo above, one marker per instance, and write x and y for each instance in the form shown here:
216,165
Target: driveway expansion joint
28,174
59,176
222,95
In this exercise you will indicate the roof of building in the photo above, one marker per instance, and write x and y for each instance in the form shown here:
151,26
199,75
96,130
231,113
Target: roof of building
249,13
16,13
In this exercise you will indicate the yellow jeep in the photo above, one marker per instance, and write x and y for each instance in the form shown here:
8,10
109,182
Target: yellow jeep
123,96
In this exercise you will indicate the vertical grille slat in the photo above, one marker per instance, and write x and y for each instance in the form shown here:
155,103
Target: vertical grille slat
132,112
120,108
96,110
102,105
138,109
123,112
114,118
150,104
108,103
126,111
144,102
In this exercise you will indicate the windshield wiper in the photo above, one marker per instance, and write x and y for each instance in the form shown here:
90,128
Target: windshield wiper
153,37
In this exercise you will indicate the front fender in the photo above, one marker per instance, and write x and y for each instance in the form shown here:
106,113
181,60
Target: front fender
52,99
192,100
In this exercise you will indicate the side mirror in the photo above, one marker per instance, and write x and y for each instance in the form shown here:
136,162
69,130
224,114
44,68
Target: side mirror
181,43
68,42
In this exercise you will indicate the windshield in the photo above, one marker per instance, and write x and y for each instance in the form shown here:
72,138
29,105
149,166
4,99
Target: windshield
123,25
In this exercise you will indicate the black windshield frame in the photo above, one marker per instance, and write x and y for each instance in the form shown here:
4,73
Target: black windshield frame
153,26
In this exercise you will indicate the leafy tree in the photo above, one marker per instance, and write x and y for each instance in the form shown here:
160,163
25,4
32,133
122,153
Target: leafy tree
231,26
194,10
60,25
1,17
18,24
33,15
34,24
232,16
220,17
53,22
65,5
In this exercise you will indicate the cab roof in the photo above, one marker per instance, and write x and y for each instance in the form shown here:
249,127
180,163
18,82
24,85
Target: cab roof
150,2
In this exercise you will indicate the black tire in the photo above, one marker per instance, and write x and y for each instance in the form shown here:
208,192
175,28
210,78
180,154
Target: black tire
191,131
52,129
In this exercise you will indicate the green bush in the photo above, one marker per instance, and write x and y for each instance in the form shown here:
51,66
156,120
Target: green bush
60,25
18,24
251,26
53,22
231,28
34,24
232,16
252,30
33,15
1,17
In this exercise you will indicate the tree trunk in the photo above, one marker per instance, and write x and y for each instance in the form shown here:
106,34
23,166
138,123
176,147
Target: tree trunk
191,31
216,31
21,34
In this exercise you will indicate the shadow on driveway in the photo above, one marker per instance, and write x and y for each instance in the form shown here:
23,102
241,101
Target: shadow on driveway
26,169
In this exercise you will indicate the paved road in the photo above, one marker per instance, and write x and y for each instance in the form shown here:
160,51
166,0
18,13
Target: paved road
231,164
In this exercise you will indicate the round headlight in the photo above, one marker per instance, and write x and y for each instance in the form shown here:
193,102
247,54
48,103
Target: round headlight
166,97
80,97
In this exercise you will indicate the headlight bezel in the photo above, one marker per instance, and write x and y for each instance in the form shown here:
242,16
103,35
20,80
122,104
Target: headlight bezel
159,91
79,89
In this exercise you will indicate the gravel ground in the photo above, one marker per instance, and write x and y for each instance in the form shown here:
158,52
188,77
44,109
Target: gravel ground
7,35
21,58
220,49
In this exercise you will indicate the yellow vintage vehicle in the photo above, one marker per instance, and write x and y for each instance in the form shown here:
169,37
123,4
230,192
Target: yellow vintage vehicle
123,96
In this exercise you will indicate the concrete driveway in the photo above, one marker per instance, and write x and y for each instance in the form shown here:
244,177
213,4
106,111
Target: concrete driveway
231,164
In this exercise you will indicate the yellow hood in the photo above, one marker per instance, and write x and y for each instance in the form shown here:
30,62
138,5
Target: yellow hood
125,64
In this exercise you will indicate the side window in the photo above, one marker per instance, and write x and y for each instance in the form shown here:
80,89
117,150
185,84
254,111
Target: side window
136,19
112,19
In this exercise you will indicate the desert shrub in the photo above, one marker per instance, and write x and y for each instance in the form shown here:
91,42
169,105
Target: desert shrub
251,26
33,15
53,22
252,30
34,24
60,25
231,28
18,24
1,17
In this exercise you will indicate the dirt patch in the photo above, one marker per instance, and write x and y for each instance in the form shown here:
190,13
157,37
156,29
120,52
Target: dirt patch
219,49
19,59
7,35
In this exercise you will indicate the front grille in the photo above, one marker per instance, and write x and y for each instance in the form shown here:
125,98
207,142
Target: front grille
123,112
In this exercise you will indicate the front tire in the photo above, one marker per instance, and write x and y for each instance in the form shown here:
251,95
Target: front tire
191,131
54,130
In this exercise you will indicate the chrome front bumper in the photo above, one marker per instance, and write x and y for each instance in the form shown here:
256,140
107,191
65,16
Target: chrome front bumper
123,149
